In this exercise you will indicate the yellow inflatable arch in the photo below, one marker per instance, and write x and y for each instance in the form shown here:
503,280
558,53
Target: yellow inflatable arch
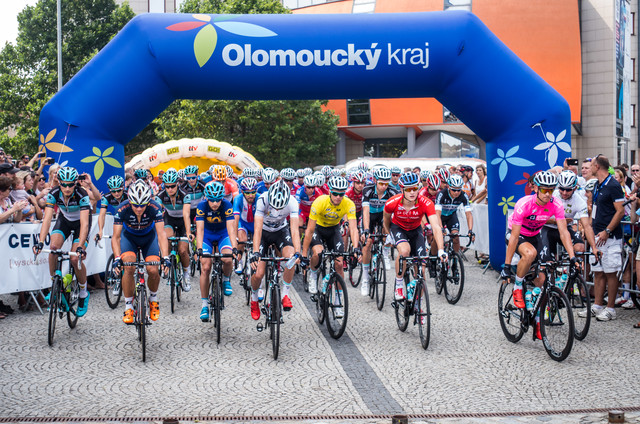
193,151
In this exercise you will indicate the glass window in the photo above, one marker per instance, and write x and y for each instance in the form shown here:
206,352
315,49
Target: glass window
457,5
156,6
385,147
358,112
453,147
448,117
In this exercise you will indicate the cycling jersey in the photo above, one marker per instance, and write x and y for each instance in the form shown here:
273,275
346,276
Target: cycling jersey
245,211
261,188
173,206
70,209
326,214
214,221
356,198
448,205
126,217
230,189
532,216
408,219
574,207
424,192
376,204
193,195
275,219
110,203
396,187
305,201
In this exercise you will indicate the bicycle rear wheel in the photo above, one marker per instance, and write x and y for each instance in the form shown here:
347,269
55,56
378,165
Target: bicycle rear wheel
54,307
400,306
511,317
423,313
380,281
336,306
142,317
275,320
72,302
320,298
112,286
578,294
454,279
441,276
556,324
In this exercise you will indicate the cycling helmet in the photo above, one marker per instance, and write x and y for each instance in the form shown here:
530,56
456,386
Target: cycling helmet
455,181
567,179
364,166
300,173
279,195
67,174
115,182
219,173
288,174
408,179
320,179
396,170
358,176
214,191
434,181
229,170
181,174
140,174
205,177
338,183
382,173
139,193
424,175
444,174
545,179
310,181
308,171
248,184
591,184
336,172
191,169
248,173
269,176
326,171
170,177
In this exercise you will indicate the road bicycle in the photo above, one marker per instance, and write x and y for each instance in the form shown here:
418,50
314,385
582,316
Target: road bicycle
351,266
112,280
216,297
557,327
416,301
377,270
245,276
63,297
332,300
449,276
272,303
141,300
175,274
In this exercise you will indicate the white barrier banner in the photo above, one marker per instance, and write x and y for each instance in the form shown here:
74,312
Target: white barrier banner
20,272
480,215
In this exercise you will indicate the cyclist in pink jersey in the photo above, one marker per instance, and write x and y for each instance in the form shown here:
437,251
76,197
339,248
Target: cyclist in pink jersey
530,214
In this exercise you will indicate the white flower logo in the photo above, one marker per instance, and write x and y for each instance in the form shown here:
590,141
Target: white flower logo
552,145
504,159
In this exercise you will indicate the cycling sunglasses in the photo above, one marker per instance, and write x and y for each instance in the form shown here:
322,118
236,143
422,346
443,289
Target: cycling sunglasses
411,189
171,185
565,189
116,190
546,190
337,194
455,190
192,178
249,193
138,206
383,183
67,184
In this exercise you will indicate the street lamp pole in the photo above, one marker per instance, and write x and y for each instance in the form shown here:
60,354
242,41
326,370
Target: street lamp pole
59,44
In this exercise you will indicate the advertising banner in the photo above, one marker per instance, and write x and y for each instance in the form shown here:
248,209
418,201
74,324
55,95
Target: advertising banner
623,68
21,272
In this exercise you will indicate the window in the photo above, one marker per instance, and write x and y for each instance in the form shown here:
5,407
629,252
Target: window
385,147
457,5
448,117
633,69
453,147
633,116
358,112
364,6
156,6
633,23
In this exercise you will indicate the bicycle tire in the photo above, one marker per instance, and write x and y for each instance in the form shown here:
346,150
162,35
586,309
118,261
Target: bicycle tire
54,307
336,297
400,306
275,320
320,297
355,270
179,278
217,293
380,281
577,292
511,317
555,314
305,279
142,305
72,303
173,282
454,284
423,313
441,276
109,283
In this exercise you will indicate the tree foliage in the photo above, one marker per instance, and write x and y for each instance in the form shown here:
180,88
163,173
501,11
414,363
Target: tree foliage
29,70
279,133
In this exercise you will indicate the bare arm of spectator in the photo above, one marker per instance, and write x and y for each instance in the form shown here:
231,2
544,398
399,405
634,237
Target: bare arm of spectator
479,196
92,190
36,206
15,210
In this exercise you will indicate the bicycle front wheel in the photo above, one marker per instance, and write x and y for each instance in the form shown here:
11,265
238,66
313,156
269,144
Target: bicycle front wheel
275,320
320,299
172,284
556,324
380,281
54,307
217,297
142,324
454,279
336,306
355,271
511,317
423,314
400,306
578,294
112,286
72,302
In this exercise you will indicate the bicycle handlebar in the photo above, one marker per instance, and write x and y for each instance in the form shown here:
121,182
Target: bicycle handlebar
217,255
61,253
141,263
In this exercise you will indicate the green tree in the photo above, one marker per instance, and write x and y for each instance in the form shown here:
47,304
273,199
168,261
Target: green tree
29,70
279,133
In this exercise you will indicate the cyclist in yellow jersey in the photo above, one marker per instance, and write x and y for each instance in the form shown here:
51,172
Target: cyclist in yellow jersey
324,225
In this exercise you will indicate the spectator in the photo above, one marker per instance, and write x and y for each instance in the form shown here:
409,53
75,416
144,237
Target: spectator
608,212
586,169
481,185
21,180
625,170
9,211
3,156
406,169
416,170
7,170
635,175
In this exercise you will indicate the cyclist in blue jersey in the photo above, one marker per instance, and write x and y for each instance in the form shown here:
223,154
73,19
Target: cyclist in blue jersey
215,225
75,215
269,176
244,206
110,202
395,177
138,223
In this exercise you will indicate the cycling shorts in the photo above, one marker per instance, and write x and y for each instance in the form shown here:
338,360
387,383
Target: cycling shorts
330,236
551,238
176,224
375,220
414,237
148,243
279,239
64,227
450,222
210,240
535,241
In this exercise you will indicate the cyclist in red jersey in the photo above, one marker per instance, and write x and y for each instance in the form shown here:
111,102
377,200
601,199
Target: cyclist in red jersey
354,192
403,217
430,189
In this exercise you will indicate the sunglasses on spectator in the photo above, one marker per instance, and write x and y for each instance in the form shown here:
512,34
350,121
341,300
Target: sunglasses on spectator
337,194
635,170
67,184
546,190
411,189
170,186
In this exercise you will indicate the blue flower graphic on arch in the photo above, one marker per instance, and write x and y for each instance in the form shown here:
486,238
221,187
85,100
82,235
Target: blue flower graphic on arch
505,159
551,145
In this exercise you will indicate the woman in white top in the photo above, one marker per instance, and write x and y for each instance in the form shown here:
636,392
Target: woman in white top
481,185
9,211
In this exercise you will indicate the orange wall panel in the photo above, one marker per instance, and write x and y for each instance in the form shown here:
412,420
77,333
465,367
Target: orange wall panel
406,111
340,109
401,6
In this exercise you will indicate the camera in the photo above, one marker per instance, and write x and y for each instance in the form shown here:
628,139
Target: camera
42,154
50,161
572,162
82,177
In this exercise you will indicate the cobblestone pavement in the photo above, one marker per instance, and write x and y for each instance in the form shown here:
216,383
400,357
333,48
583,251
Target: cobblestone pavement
372,372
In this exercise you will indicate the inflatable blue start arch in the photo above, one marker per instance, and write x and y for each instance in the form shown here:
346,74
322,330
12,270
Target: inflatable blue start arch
451,56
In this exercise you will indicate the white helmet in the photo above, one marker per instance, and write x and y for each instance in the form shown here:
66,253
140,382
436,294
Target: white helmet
455,181
139,193
545,179
279,194
338,183
269,176
288,174
567,179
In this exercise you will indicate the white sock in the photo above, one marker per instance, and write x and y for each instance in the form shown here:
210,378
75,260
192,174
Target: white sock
518,283
128,303
83,290
365,272
153,296
205,302
254,295
398,282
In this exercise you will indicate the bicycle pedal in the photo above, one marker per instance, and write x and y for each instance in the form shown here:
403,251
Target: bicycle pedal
394,304
259,327
281,320
314,298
